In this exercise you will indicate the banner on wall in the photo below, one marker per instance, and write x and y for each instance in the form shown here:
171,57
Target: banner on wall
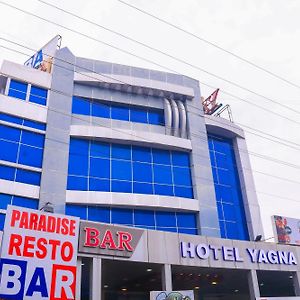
39,255
172,295
286,230
43,59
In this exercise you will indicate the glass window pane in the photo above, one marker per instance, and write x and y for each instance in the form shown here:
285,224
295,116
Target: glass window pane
231,230
99,167
11,119
10,133
7,173
186,192
36,125
5,200
96,184
18,85
163,190
229,212
156,118
30,156
188,231
121,170
182,176
161,156
138,115
121,151
28,177
77,211
186,220
25,202
79,146
162,174
169,229
17,94
37,91
8,151
142,172
100,149
81,106
142,154
100,110
121,186
144,217
165,219
32,138
99,214
2,221
180,159
78,164
122,216
142,188
120,113
37,100
77,183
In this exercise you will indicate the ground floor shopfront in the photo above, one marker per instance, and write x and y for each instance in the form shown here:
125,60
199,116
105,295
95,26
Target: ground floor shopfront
121,263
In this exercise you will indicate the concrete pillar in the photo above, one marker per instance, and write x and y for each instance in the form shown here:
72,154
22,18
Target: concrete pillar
296,283
78,278
166,277
253,285
96,282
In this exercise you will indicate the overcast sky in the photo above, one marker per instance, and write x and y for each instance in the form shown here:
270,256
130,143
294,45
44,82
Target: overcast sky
264,32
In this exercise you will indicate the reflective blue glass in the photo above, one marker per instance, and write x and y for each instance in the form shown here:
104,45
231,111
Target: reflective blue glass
37,100
182,176
121,151
100,110
99,149
77,183
138,115
99,214
121,186
25,202
11,119
221,160
17,94
2,221
7,173
5,200
34,124
37,91
232,230
100,167
188,230
180,159
30,156
229,212
81,106
28,177
142,154
166,190
122,216
142,188
169,229
96,184
161,156
186,220
32,139
120,113
10,133
78,164
17,89
8,151
162,174
77,211
121,169
156,118
142,172
181,191
144,217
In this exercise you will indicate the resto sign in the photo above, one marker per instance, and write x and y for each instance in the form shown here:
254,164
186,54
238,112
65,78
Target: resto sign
39,254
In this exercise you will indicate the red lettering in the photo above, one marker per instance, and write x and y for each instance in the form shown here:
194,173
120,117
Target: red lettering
58,225
28,245
51,224
54,244
108,240
15,217
64,255
72,227
124,241
42,249
91,237
33,221
24,222
42,223
64,224
14,244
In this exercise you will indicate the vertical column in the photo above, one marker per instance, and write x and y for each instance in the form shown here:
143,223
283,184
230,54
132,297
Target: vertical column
253,285
166,277
78,278
96,282
296,283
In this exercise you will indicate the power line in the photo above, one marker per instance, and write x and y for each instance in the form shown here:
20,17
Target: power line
145,59
169,55
210,43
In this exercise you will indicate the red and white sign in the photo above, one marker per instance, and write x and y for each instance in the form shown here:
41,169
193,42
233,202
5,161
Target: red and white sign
39,254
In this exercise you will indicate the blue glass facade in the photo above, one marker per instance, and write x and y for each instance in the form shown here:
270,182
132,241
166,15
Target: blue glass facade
97,166
227,187
149,219
18,89
108,110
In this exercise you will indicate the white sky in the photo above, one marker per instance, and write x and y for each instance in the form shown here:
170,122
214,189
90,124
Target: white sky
265,32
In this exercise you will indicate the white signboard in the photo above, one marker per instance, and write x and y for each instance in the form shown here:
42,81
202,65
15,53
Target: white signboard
39,254
172,295
286,230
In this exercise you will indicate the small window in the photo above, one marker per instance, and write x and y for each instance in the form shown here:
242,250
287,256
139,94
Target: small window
122,216
182,176
120,113
156,117
141,154
99,167
166,190
17,89
144,217
77,211
5,200
33,139
121,151
11,119
100,110
161,156
81,106
162,174
186,220
121,170
101,185
10,133
138,115
28,177
142,188
30,156
142,172
25,202
9,151
7,173
77,183
165,219
121,186
99,214
38,95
